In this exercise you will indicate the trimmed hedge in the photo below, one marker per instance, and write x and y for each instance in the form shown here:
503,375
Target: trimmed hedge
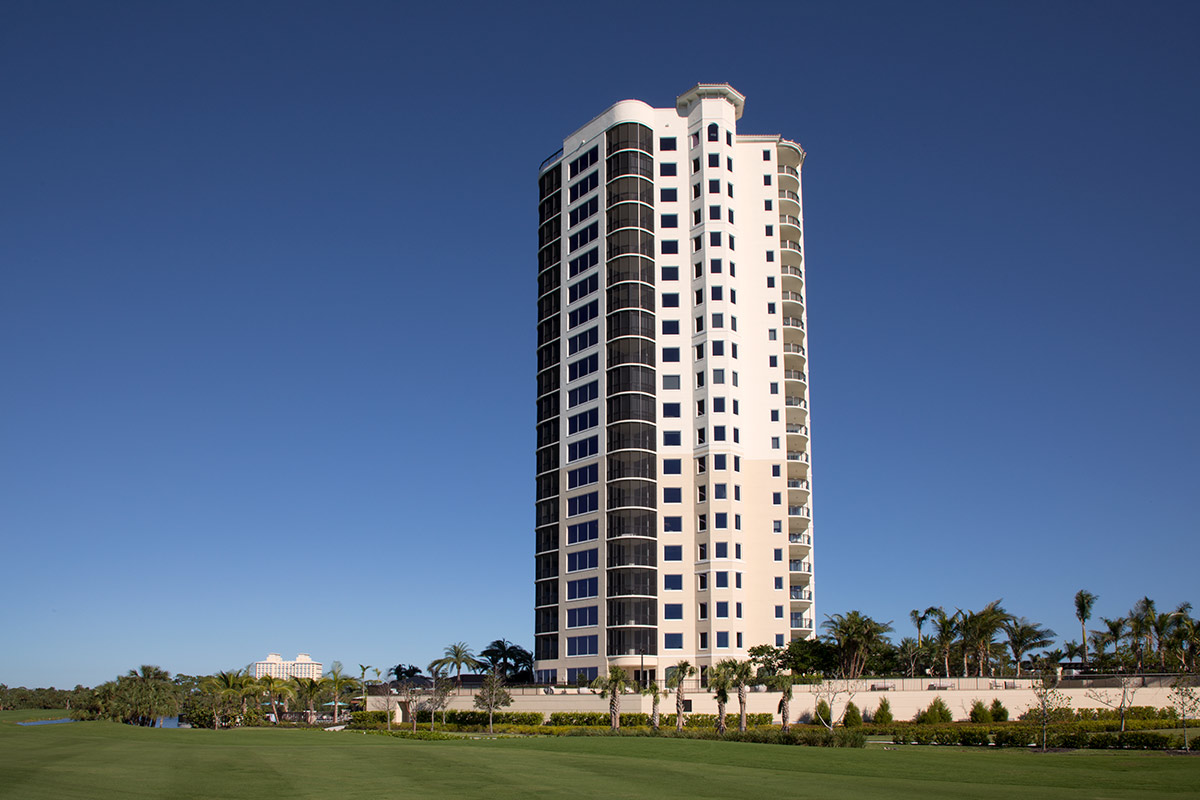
472,718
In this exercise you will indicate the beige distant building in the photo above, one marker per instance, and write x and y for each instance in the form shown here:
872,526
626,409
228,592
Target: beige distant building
275,666
673,516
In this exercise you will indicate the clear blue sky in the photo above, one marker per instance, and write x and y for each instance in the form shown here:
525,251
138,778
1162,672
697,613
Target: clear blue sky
267,309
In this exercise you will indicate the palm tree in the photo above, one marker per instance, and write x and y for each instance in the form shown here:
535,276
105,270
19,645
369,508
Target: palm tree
611,686
150,694
978,630
1141,628
910,650
1084,601
1024,636
918,620
1113,633
362,681
783,684
741,675
339,682
275,689
309,691
457,656
502,654
945,628
718,683
855,636
225,686
652,691
683,671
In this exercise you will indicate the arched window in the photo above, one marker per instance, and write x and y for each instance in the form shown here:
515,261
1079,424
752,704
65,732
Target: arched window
713,133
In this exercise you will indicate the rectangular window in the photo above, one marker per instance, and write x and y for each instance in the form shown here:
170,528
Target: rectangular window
670,300
672,438
702,549
668,169
672,494
721,549
767,205
718,292
582,588
583,211
718,433
702,611
668,195
670,354
672,466
722,580
586,185
672,641
583,645
582,237
718,404
766,180
673,583
673,552
778,553
670,247
722,639
583,448
670,220
778,582
670,326
671,381
718,347
584,262
702,582
584,394
714,159
666,143
583,476
585,161
583,532
721,520
774,441
739,637
584,366
777,498
714,186
719,461
583,504
703,641
737,580
585,313
720,491
722,609
714,212
582,341
672,410
584,559
695,190
695,165
700,352
672,524
714,239
583,617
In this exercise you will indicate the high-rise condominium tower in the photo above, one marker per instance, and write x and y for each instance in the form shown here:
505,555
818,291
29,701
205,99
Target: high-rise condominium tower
672,514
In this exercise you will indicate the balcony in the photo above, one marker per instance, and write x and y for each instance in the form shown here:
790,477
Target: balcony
794,375
799,457
799,511
793,322
791,348
793,272
800,566
799,621
791,244
800,538
785,194
801,430
786,170
792,297
788,219
791,401
798,484
800,593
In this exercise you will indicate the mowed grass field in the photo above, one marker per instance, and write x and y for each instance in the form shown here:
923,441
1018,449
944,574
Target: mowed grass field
105,760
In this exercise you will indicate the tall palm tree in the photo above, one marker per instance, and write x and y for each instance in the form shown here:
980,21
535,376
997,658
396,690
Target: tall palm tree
310,691
339,683
226,687
150,694
275,689
1025,636
719,681
1141,629
1113,633
979,629
918,620
655,694
741,675
683,671
910,651
458,656
945,628
611,686
503,655
1084,601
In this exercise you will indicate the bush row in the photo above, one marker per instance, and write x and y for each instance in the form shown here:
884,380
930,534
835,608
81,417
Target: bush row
598,719
1024,736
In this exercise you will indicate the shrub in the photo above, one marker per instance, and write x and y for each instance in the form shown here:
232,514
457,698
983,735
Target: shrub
853,717
849,738
999,712
973,737
1144,740
921,736
822,715
577,718
883,714
477,718
945,735
937,713
1014,737
980,712
1074,739
367,718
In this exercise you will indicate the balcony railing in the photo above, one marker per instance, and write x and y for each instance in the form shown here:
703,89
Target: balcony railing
800,621
800,593
784,169
795,402
793,322
799,511
793,296
800,566
794,375
801,429
785,194
794,349
788,219
797,483
788,244
800,538
794,456
795,271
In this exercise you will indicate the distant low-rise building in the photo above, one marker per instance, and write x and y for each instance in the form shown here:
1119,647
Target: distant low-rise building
276,667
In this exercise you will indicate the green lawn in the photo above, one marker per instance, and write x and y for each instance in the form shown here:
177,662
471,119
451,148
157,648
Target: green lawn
102,760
